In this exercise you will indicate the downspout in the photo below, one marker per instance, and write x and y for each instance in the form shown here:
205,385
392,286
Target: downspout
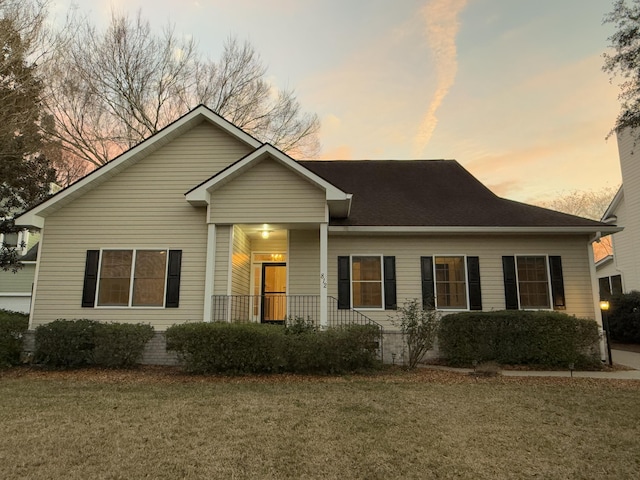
595,292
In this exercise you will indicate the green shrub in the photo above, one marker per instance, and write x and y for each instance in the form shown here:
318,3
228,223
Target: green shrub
227,347
519,337
120,344
624,317
83,342
255,348
12,328
65,343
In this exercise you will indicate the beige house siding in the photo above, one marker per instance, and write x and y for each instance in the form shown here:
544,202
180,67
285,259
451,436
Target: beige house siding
268,193
489,249
241,262
19,282
144,207
304,262
627,242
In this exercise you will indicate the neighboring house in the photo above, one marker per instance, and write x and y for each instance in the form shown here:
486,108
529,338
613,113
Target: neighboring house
620,272
203,222
15,288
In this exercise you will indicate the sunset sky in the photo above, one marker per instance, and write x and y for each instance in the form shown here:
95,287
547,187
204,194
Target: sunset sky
512,89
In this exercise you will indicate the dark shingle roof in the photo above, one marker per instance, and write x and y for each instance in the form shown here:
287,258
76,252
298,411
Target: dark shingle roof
429,193
31,255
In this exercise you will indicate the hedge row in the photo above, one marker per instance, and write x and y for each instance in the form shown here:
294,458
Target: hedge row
624,317
519,337
79,343
255,348
12,328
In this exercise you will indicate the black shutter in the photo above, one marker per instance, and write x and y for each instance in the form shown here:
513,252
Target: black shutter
173,279
426,269
510,286
557,282
390,301
475,293
90,278
344,283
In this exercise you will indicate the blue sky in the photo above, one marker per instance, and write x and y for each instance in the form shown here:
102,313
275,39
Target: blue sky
512,89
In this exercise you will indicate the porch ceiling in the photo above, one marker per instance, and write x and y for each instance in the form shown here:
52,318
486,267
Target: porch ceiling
277,231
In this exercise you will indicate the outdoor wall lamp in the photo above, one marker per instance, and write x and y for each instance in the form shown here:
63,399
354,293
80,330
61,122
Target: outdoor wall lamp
604,307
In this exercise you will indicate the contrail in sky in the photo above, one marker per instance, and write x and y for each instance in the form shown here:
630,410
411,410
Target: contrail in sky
441,18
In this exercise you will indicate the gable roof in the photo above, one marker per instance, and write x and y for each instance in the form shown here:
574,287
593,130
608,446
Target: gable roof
35,216
338,200
433,193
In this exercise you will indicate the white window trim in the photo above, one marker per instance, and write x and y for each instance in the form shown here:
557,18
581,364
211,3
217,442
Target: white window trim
131,280
549,289
435,284
366,309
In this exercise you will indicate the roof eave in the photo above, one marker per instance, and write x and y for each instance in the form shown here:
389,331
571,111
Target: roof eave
461,230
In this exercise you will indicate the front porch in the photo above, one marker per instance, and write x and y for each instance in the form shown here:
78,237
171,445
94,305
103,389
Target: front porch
269,273
282,309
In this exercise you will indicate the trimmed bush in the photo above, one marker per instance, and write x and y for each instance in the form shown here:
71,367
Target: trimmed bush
256,348
12,328
519,337
83,342
624,317
120,345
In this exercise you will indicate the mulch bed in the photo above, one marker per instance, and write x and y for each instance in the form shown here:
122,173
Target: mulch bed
174,375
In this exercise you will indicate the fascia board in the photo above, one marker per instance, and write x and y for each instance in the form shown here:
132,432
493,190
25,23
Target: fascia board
404,230
613,206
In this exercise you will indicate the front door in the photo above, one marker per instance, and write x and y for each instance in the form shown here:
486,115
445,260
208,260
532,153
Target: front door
274,292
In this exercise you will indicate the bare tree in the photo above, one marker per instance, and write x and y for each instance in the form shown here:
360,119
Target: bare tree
583,203
588,204
108,90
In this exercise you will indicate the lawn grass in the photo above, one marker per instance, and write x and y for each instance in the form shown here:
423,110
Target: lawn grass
165,425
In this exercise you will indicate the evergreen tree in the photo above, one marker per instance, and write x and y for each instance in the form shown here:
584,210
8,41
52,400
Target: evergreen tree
25,171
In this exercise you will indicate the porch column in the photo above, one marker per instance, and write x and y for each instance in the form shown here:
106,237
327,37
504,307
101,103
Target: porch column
209,271
323,275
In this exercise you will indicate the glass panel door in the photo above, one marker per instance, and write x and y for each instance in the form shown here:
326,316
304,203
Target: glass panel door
274,292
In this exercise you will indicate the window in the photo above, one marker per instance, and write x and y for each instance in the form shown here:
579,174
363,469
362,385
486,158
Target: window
366,275
451,282
132,278
367,281
533,282
610,286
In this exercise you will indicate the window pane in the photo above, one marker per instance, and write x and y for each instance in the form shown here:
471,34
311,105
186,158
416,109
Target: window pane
451,285
366,268
605,289
367,294
149,280
115,277
533,282
616,284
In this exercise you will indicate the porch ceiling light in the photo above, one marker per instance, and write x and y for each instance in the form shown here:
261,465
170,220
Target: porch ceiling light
265,234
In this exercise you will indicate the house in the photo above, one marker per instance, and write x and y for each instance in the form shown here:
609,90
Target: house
203,222
620,272
15,288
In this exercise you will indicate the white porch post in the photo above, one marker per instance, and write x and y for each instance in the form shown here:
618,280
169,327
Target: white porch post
323,275
209,271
